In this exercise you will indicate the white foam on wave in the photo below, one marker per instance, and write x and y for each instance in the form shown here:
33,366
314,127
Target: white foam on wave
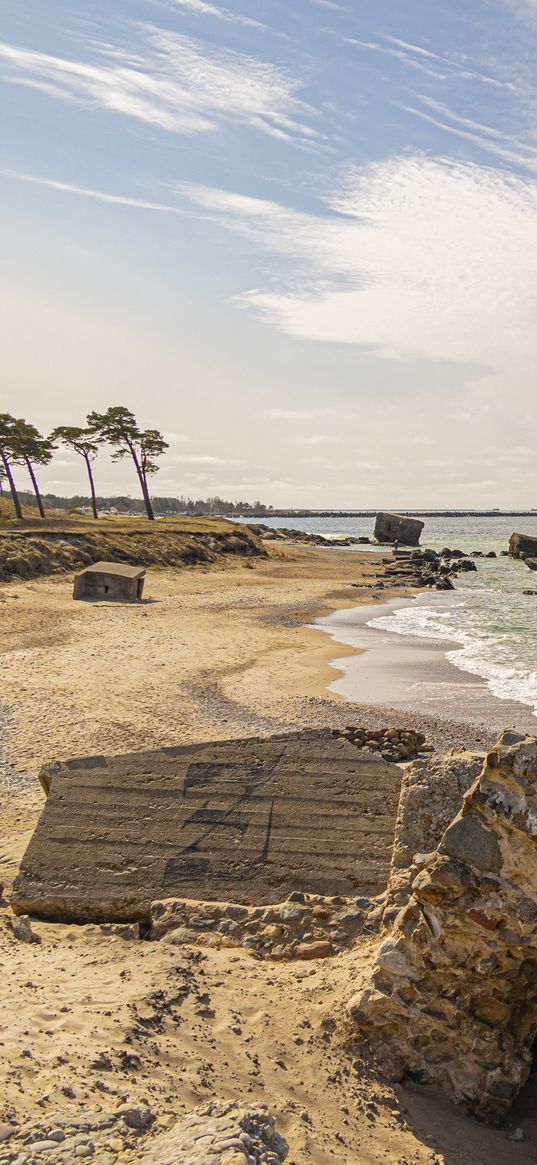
493,657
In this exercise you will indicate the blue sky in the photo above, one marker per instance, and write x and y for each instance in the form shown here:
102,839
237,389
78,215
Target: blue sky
299,238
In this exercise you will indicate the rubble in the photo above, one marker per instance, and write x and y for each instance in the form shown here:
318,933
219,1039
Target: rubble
453,995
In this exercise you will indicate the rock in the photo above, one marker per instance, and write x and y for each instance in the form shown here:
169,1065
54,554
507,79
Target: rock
136,1116
22,930
6,1131
522,545
180,936
467,564
531,562
398,527
529,592
516,1135
451,1000
319,950
469,841
43,1146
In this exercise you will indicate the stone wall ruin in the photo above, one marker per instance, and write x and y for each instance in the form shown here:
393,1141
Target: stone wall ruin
453,995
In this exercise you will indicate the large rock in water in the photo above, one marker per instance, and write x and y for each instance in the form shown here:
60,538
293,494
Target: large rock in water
247,821
522,546
453,995
392,527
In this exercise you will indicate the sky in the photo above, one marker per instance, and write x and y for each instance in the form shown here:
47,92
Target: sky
298,238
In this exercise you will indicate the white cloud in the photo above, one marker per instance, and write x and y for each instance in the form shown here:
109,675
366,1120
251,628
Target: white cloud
176,83
202,8
419,257
425,61
202,459
98,195
315,439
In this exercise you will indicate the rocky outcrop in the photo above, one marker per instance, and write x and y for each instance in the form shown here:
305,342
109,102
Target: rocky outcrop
453,996
284,534
397,527
222,1133
522,546
426,568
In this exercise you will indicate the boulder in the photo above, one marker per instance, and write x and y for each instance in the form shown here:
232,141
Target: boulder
522,546
452,999
397,527
532,563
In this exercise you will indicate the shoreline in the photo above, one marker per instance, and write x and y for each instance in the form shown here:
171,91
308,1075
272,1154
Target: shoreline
411,673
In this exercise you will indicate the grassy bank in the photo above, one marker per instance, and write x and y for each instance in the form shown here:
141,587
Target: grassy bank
33,547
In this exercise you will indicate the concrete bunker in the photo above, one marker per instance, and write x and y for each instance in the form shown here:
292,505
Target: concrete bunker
247,821
110,580
398,528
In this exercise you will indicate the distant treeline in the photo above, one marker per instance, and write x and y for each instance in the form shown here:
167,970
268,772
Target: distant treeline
127,505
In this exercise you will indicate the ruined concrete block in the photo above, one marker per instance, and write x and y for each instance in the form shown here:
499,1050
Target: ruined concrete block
453,995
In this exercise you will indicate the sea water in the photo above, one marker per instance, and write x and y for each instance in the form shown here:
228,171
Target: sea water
488,617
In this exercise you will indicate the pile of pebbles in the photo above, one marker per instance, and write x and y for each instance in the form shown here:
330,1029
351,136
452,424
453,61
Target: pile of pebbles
394,744
223,1134
64,1138
305,926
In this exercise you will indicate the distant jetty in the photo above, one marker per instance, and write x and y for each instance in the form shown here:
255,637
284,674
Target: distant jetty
270,513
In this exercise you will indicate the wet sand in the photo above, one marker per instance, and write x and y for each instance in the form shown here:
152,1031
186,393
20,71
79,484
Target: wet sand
408,672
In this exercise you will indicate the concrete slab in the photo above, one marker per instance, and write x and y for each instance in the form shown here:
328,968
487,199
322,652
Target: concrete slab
246,821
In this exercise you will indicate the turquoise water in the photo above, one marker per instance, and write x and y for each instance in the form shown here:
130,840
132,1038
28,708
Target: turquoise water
491,621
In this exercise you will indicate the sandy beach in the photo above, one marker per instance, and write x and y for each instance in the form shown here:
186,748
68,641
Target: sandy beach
212,653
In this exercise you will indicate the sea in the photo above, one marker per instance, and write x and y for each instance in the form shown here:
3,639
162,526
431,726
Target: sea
488,624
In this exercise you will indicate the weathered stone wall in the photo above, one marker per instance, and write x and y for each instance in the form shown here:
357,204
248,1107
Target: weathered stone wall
453,996
306,926
389,527
431,794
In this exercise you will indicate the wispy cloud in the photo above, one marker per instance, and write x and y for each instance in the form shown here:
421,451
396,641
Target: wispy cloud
175,82
329,4
414,258
202,8
202,459
315,440
426,61
98,195
509,148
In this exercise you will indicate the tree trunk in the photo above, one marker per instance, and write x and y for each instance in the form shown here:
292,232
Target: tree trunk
30,469
92,486
14,494
143,484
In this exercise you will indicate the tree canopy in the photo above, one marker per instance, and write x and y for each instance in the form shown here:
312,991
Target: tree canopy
119,428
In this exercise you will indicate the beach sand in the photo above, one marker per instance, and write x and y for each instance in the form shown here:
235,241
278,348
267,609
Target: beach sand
212,653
